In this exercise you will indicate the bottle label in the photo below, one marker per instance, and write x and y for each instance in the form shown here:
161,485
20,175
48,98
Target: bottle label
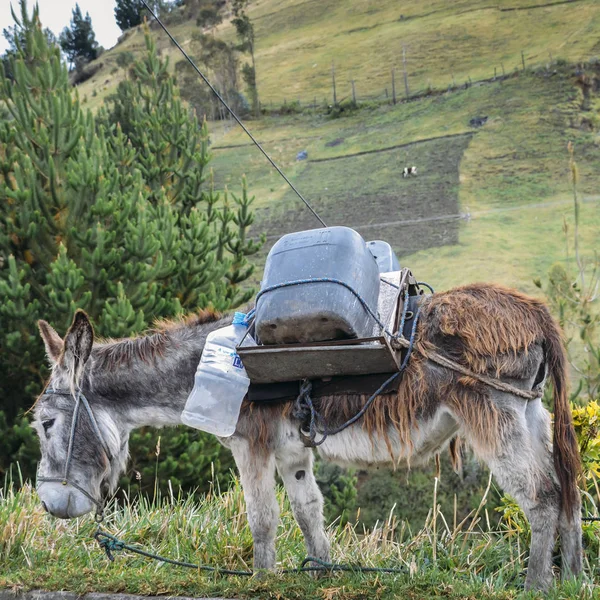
222,356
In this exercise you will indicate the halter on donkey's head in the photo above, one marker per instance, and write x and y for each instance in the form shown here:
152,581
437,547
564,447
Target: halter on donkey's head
79,400
73,354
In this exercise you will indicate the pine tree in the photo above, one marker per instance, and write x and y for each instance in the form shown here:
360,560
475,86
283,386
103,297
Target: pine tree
245,33
79,41
118,221
171,151
128,13
15,39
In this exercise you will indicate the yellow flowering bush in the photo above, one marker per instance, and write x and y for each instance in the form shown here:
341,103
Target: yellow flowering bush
586,419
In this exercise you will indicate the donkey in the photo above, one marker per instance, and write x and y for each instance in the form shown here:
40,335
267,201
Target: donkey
488,329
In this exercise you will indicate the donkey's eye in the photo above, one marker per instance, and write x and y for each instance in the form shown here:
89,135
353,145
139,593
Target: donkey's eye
47,424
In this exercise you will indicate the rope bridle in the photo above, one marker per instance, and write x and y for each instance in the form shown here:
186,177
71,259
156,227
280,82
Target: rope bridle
80,399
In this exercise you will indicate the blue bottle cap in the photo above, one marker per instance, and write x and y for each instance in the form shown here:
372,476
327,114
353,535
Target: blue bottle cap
239,318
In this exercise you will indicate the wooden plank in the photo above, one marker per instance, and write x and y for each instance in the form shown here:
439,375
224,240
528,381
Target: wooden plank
266,364
351,342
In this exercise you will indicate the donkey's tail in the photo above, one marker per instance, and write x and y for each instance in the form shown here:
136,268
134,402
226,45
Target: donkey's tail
567,461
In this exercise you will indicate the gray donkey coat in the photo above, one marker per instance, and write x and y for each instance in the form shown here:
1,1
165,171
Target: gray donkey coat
488,329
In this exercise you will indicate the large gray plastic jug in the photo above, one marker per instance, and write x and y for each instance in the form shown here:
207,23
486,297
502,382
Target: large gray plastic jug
314,312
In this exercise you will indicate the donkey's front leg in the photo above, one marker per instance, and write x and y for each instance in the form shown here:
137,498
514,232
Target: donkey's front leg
295,465
257,474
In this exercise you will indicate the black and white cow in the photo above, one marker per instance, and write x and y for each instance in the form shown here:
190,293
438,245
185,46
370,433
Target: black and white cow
409,171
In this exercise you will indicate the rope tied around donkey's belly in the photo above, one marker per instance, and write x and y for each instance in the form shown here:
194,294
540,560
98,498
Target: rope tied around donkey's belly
443,361
305,410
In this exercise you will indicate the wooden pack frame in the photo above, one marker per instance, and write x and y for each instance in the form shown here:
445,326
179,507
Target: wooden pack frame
330,359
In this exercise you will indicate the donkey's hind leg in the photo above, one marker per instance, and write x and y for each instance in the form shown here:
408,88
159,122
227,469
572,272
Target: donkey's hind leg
521,461
257,475
295,465
569,525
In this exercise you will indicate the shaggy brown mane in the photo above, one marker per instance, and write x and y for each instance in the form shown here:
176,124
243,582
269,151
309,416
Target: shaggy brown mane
147,347
482,326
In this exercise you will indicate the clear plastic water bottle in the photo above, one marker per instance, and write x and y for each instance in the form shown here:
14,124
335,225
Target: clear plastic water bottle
221,381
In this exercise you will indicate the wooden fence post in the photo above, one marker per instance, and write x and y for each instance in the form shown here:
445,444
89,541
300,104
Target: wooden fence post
523,59
333,82
393,87
353,92
405,73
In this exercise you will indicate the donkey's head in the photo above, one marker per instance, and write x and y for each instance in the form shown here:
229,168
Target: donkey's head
83,448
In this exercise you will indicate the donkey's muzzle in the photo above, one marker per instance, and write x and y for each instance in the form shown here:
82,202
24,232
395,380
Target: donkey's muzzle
63,501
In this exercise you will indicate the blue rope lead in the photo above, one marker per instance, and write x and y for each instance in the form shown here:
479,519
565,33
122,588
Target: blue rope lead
110,544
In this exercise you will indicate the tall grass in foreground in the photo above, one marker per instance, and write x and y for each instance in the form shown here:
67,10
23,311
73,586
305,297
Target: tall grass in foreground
445,558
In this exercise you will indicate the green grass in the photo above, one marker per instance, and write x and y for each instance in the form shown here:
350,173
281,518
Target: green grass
442,560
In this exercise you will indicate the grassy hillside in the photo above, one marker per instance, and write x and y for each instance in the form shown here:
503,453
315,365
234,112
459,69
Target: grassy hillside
489,202
297,40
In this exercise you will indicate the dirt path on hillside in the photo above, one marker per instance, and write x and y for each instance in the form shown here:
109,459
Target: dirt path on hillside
395,147
467,216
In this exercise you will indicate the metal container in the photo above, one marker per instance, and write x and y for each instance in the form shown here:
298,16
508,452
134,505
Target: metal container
387,261
317,311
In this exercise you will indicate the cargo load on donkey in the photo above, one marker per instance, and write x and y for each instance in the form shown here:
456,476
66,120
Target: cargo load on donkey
329,317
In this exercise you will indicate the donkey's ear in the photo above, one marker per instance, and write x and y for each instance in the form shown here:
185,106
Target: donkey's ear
78,345
52,341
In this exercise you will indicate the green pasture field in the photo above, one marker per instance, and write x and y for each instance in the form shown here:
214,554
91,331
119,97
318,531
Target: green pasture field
444,559
488,204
